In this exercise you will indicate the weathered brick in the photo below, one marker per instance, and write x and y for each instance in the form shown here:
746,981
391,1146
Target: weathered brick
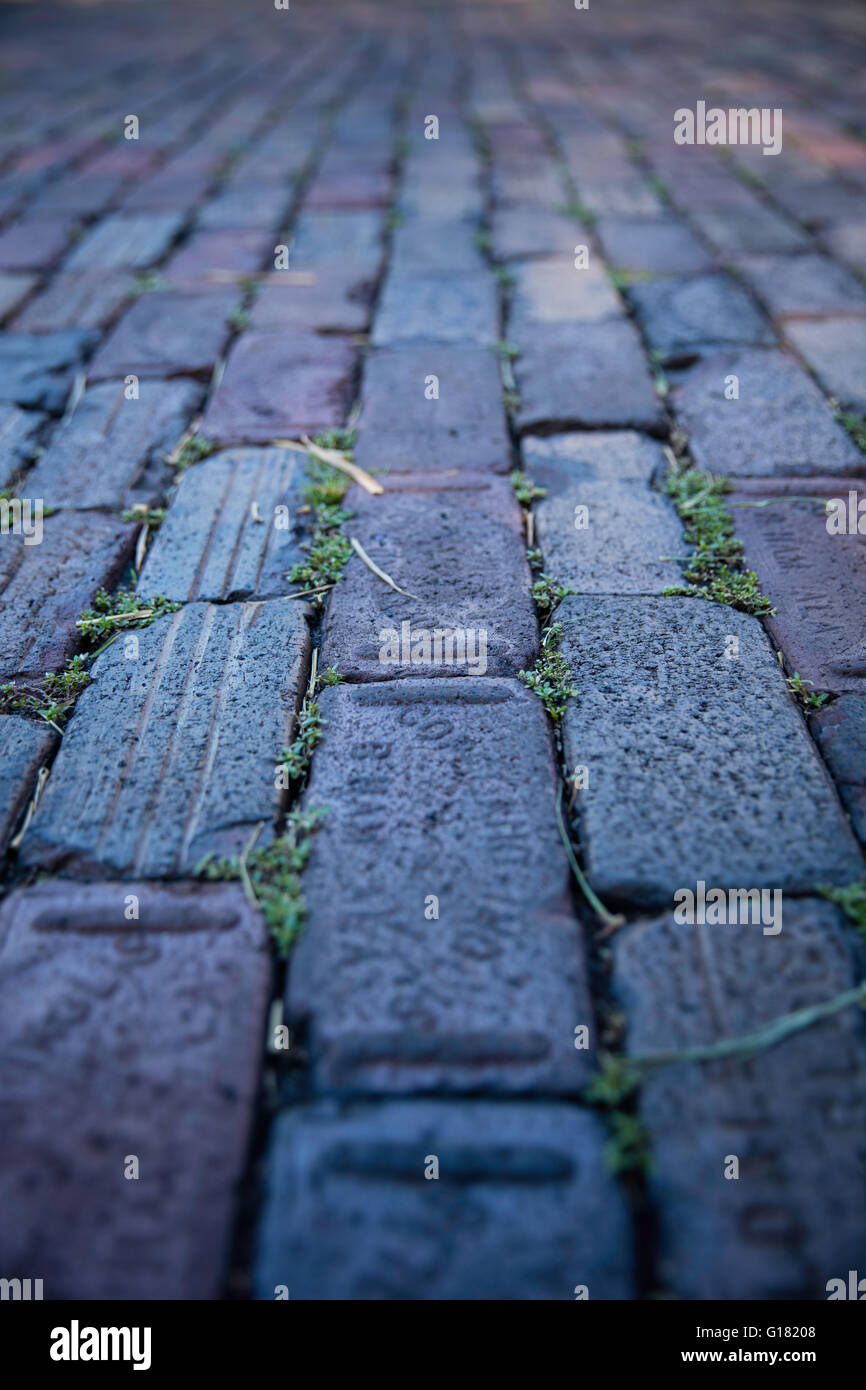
436,308
840,730
420,247
166,334
685,318
77,300
779,425
112,451
348,181
552,302
522,1209
245,206
712,749
458,546
18,429
171,754
34,243
207,255
126,242
655,245
223,536
36,368
44,587
835,349
847,241
14,289
791,1114
280,384
813,578
794,285
127,1037
25,746
736,230
617,544
522,229
605,382
464,427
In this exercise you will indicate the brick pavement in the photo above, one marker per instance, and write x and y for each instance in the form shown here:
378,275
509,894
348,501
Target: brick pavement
453,244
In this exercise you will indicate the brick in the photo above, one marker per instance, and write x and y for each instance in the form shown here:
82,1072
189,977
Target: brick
780,425
420,247
627,197
606,382
439,200
790,1114
44,587
740,230
348,182
34,243
332,304
18,431
527,180
712,749
129,1038
166,334
126,242
654,245
36,369
211,546
459,308
835,349
80,193
77,300
840,730
166,192
522,1209
522,229
813,578
280,384
25,746
402,431
847,241
459,547
188,736
794,285
14,289
199,263
112,451
552,302
617,546
685,318
245,206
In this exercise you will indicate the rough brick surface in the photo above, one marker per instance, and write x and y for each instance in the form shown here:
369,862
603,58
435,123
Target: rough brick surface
18,430
813,578
835,349
127,1037
794,285
14,289
552,301
125,242
433,786
522,1208
77,301
443,309
601,528
168,334
712,749
171,754
233,530
780,424
460,551
653,245
790,1114
403,428
840,730
111,452
44,587
25,746
36,369
604,382
687,318
279,385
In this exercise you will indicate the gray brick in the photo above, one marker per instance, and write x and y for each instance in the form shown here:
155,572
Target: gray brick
111,452
840,730
442,787
780,425
171,755
245,206
25,746
552,302
279,385
734,230
803,285
685,318
656,245
402,431
222,537
18,429
126,242
460,550
459,308
420,247
522,1208
523,229
167,334
835,349
77,300
792,1114
45,586
713,750
617,546
36,368
606,382
14,289
127,1037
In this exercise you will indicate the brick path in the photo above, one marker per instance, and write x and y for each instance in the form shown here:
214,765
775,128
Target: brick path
184,1113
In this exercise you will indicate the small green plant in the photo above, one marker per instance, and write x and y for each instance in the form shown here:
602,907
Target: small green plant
535,558
342,440
239,320
483,241
272,876
151,517
614,1086
628,1149
856,427
506,350
148,282
123,609
811,700
193,450
623,278
550,677
525,490
579,212
296,759
504,276
330,676
328,548
53,698
714,570
851,899
659,185
548,594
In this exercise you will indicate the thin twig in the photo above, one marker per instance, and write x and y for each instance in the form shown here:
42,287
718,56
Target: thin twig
610,919
335,459
362,554
242,866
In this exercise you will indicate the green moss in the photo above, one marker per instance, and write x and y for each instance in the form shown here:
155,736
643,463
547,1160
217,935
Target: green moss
714,570
122,610
525,490
53,698
851,899
550,677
